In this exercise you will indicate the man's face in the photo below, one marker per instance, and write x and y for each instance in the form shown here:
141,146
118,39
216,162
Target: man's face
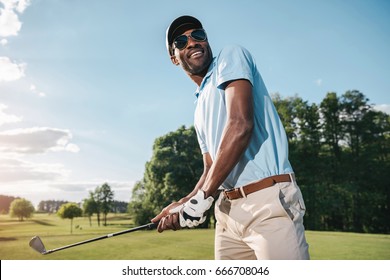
195,58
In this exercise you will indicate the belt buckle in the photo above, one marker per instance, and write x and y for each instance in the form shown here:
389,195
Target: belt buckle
226,193
239,191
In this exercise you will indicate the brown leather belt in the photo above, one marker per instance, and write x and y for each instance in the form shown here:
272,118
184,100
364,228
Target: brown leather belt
256,186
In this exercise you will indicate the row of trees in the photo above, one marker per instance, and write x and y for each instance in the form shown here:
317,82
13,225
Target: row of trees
99,202
340,153
50,206
339,150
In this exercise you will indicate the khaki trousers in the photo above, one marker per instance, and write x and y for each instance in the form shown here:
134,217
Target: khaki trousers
265,225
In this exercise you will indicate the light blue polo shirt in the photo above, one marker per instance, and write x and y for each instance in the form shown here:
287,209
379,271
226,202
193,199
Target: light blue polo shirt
267,153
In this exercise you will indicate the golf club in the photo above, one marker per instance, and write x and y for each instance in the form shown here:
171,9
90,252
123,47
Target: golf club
37,244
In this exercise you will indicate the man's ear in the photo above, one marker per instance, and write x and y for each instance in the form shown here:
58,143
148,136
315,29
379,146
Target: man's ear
174,60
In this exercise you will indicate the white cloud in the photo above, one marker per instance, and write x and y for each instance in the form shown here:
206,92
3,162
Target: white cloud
3,42
73,148
22,5
7,118
37,181
15,170
10,23
36,140
383,107
10,71
34,89
18,5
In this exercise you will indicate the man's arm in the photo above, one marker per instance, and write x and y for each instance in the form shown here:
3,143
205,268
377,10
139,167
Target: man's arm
236,135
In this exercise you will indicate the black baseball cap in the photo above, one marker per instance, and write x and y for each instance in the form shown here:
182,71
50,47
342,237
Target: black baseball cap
178,26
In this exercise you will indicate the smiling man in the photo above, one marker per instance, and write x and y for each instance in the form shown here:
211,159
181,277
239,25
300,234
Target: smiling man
259,207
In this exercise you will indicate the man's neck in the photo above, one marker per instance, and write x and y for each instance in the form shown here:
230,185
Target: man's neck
198,78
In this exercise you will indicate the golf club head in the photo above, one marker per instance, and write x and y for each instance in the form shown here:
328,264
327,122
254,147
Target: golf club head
37,244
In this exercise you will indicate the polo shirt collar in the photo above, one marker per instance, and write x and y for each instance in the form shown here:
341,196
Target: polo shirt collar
208,74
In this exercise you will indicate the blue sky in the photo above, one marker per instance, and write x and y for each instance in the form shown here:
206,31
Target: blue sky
87,86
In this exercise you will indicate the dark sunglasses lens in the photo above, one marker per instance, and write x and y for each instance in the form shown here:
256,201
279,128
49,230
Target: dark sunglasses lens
181,41
199,35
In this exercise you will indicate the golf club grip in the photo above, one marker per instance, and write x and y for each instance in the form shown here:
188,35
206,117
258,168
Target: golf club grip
147,226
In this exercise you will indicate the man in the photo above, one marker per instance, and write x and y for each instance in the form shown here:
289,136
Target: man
260,209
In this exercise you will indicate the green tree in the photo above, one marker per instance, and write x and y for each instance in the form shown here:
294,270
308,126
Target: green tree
332,132
106,200
286,108
376,143
355,125
360,124
140,208
100,201
70,211
303,127
172,173
89,207
21,208
96,197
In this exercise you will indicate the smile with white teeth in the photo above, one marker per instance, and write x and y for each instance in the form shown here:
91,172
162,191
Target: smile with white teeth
195,54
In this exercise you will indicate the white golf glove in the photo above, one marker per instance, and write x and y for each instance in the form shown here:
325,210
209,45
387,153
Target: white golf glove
192,213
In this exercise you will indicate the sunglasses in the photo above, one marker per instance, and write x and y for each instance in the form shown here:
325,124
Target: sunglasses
199,35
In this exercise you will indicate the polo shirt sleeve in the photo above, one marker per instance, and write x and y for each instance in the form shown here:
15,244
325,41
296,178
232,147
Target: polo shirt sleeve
234,63
201,141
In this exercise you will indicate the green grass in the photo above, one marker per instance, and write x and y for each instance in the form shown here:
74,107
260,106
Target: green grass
348,246
149,245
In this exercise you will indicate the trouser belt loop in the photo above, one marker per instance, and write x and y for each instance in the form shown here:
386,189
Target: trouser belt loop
292,177
242,192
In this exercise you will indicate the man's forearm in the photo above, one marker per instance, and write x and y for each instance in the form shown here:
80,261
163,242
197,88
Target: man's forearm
234,143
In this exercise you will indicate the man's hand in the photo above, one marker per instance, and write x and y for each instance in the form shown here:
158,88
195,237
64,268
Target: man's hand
166,220
192,213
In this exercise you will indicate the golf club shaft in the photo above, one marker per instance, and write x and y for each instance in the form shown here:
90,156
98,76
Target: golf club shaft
147,226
